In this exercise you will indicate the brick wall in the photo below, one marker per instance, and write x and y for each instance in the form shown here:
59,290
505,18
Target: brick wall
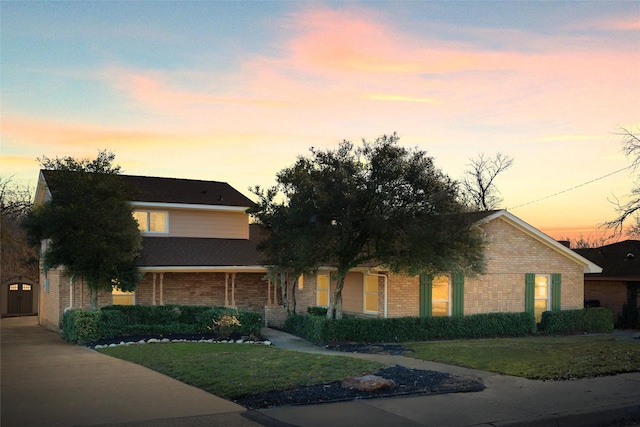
510,255
611,294
204,289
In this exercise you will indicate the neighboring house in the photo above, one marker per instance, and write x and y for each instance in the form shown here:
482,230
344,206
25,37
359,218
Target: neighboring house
620,266
526,271
199,248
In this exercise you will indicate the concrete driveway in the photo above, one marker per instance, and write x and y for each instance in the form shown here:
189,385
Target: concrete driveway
47,382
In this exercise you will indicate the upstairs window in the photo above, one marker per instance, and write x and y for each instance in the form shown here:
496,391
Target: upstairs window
151,221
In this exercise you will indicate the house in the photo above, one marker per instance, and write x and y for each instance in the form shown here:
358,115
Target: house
526,271
620,263
199,248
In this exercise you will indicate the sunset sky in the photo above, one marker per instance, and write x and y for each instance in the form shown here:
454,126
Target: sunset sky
234,91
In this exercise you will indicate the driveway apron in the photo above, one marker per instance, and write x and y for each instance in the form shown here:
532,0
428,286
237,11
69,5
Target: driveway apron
48,382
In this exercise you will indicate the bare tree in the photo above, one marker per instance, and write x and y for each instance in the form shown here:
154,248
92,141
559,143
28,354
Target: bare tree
631,208
478,187
18,257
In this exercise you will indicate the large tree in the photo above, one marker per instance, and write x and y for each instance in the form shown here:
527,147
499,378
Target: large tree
17,256
88,223
377,203
631,208
479,190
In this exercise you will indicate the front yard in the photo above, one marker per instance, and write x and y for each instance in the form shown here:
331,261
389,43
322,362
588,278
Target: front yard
540,358
235,370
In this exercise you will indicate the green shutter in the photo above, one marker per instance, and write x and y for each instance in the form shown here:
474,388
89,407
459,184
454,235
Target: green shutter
425,295
529,293
556,286
457,310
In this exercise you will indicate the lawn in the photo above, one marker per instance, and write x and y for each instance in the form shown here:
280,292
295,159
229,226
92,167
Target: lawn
547,358
234,370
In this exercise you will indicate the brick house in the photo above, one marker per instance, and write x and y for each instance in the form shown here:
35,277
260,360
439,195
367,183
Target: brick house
620,263
526,271
199,248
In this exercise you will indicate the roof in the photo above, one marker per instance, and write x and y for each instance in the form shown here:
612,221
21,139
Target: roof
192,253
178,191
618,260
480,218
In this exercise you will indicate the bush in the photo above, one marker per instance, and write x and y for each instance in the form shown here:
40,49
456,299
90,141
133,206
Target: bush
567,322
402,329
79,326
317,311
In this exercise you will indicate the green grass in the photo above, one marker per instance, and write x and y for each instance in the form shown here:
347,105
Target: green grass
548,358
233,370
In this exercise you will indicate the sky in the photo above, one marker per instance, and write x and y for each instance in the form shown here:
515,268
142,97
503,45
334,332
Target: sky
235,91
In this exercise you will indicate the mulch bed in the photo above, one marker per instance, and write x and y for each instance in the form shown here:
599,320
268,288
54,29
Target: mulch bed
408,382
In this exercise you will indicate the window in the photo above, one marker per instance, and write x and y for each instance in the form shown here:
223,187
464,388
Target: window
323,290
119,297
151,221
541,293
440,296
370,293
301,282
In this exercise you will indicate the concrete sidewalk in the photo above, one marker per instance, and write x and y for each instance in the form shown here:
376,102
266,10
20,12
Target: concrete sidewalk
507,401
47,382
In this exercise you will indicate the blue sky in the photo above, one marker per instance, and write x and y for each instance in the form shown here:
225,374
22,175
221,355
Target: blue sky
234,91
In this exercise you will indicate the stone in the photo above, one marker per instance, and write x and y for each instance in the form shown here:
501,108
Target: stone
153,340
368,383
267,342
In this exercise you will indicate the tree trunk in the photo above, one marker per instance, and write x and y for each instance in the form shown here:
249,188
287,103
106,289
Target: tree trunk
283,288
334,310
293,295
93,294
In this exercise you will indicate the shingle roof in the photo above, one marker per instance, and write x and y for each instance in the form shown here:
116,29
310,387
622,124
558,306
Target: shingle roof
620,259
202,252
174,190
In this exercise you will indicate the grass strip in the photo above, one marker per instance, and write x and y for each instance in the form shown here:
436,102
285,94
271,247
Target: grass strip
234,370
540,358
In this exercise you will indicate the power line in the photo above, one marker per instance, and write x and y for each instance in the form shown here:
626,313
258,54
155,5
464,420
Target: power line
572,188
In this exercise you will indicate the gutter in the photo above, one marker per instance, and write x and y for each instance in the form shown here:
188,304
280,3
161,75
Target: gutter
70,294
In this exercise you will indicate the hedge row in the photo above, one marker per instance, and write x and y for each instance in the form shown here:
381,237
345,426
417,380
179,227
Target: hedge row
588,320
81,326
321,330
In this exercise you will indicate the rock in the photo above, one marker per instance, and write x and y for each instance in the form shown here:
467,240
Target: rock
153,340
368,383
267,342
98,347
142,342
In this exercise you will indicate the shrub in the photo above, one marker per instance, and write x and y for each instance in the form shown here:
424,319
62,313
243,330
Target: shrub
567,322
319,330
317,311
80,326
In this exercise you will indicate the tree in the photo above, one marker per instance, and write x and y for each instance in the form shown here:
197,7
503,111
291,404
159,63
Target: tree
17,256
630,209
479,191
378,203
88,223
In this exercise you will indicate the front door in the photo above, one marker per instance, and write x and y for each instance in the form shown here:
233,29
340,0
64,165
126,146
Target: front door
20,299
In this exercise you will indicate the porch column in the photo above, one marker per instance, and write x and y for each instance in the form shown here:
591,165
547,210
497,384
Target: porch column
226,289
233,289
161,288
269,300
153,290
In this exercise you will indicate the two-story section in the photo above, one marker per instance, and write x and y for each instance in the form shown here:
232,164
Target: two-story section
198,248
